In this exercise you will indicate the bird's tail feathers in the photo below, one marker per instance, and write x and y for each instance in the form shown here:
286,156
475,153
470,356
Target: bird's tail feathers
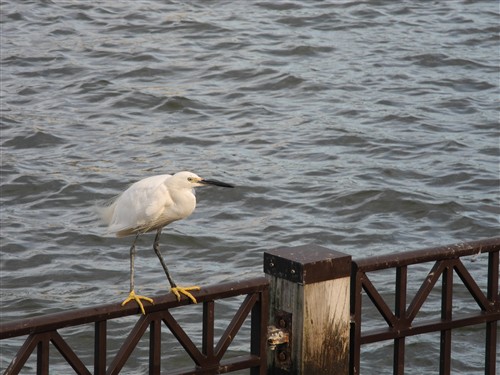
105,211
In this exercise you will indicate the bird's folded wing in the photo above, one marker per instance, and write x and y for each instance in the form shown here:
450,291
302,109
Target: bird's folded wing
140,206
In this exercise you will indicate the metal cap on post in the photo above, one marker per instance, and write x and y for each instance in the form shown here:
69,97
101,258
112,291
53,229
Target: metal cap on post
309,300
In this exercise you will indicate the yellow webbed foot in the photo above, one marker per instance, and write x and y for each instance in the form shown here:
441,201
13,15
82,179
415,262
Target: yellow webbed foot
137,298
178,290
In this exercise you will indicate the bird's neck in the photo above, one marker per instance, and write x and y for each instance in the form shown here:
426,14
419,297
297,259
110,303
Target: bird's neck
185,202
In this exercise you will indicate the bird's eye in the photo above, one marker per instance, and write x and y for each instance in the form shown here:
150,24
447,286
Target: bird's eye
190,179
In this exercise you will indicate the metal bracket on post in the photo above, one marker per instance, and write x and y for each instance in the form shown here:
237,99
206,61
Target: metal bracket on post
279,339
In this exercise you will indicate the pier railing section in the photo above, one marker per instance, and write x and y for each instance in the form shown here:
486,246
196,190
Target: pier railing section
43,332
448,268
307,316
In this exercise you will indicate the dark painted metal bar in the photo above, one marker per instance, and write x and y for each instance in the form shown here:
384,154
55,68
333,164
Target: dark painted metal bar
258,339
22,355
493,272
183,338
400,312
128,346
208,329
100,335
234,326
492,327
378,301
428,326
70,318
68,354
355,340
491,348
406,258
229,365
472,287
425,289
446,315
155,347
42,362
399,356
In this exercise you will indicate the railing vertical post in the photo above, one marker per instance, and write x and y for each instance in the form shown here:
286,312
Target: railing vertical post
400,312
42,362
446,315
208,329
258,344
355,335
492,327
155,347
312,284
100,347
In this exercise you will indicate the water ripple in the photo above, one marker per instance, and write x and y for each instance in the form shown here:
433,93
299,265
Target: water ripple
363,127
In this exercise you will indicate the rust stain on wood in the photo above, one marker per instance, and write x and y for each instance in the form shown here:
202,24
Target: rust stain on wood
326,327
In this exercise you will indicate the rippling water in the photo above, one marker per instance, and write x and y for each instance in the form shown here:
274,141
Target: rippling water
365,127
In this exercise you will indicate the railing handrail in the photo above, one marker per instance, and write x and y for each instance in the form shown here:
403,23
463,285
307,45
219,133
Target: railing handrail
55,321
430,254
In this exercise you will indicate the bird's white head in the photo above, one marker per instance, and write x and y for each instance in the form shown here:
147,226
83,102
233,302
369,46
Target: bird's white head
187,179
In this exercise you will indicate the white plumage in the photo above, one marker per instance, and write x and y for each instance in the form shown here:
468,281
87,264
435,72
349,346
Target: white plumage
151,203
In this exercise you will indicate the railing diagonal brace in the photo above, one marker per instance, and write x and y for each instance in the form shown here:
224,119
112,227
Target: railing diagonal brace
22,355
181,336
235,325
68,353
472,286
378,301
129,345
425,289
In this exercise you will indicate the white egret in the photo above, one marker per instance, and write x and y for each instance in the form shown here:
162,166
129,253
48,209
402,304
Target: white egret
149,205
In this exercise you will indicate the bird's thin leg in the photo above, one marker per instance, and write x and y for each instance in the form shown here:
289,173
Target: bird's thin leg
132,258
173,287
132,296
156,248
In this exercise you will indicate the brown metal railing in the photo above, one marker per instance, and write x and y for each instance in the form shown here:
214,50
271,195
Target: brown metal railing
400,323
397,322
43,331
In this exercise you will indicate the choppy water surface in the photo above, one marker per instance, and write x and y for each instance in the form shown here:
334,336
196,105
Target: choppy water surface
364,127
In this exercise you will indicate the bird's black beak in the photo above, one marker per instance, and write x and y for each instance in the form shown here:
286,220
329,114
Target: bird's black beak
216,183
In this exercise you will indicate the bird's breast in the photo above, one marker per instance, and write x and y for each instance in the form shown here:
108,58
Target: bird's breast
183,206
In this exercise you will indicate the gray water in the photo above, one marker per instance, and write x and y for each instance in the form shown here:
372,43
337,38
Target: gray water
364,127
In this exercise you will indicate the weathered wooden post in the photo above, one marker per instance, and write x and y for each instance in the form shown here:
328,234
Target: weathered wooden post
309,301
